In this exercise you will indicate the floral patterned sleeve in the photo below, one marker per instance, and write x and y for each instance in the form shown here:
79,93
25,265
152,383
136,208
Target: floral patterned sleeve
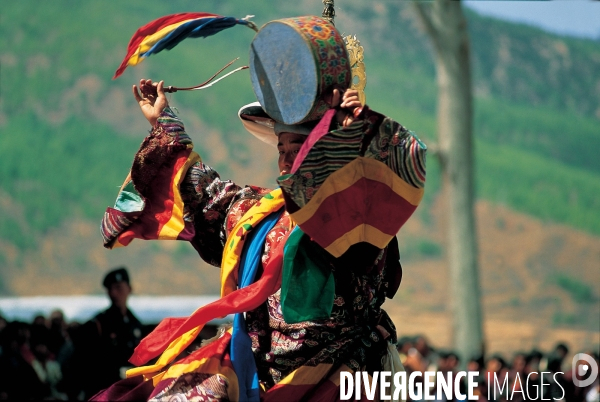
170,194
400,149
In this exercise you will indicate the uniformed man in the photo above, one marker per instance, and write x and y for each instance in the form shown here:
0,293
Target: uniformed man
112,334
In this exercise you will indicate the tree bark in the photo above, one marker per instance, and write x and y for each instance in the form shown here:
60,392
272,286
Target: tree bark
446,25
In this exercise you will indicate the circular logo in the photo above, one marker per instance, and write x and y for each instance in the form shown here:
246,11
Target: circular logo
580,370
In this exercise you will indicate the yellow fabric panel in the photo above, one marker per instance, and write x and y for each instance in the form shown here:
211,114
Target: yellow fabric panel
360,233
306,375
175,225
174,349
234,244
335,376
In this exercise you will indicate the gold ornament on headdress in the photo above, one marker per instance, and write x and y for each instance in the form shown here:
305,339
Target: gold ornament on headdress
357,58
355,52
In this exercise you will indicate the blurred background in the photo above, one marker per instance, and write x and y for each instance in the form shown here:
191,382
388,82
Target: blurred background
69,133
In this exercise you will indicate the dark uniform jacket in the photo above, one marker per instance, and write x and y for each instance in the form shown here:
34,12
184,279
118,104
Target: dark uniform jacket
108,342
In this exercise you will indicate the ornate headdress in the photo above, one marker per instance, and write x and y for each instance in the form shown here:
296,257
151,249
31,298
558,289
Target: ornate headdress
293,94
355,52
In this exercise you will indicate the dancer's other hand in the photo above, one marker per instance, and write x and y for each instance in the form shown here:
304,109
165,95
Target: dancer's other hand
348,105
351,104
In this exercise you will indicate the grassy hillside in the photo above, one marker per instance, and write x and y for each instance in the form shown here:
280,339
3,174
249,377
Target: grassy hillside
69,132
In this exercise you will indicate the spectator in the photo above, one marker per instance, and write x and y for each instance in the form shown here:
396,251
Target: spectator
22,376
405,343
39,332
448,362
108,340
57,336
3,324
48,370
556,357
426,351
518,364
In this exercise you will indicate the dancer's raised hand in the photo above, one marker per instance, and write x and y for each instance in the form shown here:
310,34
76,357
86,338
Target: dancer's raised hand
151,98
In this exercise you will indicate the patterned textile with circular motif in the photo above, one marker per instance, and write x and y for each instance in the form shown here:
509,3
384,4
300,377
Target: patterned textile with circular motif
330,55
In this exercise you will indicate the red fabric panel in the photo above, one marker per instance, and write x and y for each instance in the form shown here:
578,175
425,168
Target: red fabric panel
365,202
288,393
130,389
159,204
326,392
188,233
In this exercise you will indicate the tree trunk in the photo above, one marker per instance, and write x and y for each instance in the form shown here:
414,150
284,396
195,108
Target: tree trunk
447,27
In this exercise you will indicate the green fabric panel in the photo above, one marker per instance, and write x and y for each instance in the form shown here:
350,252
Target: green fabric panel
307,286
129,199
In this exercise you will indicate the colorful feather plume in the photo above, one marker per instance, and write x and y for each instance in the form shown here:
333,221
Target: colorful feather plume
166,33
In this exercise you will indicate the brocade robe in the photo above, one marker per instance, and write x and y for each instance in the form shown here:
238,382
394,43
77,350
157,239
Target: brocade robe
293,361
